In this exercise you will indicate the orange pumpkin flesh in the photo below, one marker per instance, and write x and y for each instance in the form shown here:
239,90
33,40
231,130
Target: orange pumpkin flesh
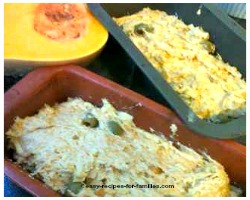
44,34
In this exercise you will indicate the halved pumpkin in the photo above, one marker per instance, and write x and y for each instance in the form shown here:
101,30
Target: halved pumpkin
50,34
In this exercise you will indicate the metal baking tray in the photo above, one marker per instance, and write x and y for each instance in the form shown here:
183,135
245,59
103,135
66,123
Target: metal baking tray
228,36
49,85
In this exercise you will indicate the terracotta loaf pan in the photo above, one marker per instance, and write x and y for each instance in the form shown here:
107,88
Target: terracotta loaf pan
55,84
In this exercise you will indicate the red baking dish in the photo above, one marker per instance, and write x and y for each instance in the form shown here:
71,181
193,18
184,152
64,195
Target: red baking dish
55,84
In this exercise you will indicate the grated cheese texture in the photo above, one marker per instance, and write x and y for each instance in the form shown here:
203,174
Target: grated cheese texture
62,150
184,56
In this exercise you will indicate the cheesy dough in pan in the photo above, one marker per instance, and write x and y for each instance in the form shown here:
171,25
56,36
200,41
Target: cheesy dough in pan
184,56
74,144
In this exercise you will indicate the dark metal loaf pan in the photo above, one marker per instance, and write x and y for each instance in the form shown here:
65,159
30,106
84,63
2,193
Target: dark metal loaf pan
227,35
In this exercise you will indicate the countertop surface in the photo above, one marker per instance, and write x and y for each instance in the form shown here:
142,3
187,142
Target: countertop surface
10,188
